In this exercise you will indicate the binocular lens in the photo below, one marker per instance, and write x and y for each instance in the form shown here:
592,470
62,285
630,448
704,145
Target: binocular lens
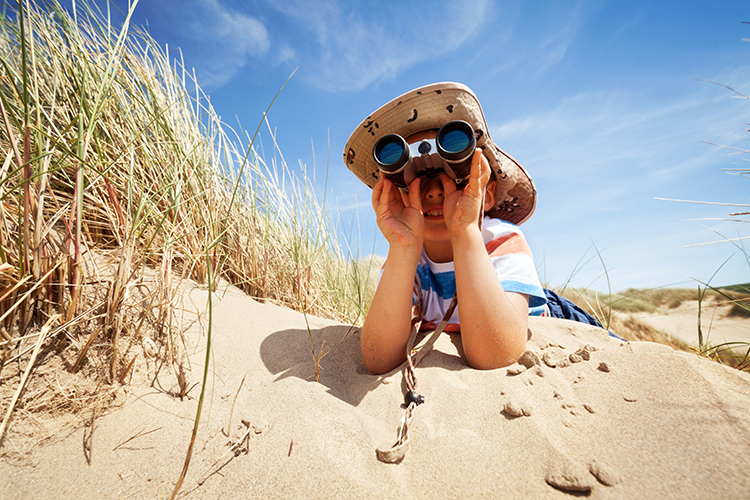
455,144
455,141
390,153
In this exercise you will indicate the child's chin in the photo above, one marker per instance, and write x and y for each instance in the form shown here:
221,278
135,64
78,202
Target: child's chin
436,230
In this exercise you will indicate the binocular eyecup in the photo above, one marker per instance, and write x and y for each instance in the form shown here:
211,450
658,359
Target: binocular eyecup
455,143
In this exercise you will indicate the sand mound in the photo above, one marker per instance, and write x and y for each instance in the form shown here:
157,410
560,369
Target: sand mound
583,414
682,322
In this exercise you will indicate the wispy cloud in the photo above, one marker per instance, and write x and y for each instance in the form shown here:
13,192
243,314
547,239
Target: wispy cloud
600,158
341,46
598,133
533,41
221,40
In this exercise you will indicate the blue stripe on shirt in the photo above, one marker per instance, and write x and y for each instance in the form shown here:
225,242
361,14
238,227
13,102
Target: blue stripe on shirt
535,293
444,284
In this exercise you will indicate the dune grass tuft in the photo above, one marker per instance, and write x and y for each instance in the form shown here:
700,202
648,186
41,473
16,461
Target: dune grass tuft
118,179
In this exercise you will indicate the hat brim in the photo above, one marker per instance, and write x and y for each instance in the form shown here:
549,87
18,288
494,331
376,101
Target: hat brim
428,108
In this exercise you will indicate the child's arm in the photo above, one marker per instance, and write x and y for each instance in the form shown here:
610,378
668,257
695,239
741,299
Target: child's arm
388,323
493,322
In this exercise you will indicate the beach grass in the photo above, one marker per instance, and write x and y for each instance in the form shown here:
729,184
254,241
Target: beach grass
619,311
118,180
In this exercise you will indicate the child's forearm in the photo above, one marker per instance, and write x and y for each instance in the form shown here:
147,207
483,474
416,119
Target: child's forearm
388,323
493,322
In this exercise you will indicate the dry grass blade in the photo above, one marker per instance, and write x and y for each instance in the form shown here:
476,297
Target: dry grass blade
82,354
136,436
119,176
228,432
40,341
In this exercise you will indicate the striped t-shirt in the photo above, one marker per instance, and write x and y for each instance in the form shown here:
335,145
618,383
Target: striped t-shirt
511,257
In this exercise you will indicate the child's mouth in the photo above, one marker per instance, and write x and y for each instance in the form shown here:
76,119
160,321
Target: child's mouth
434,214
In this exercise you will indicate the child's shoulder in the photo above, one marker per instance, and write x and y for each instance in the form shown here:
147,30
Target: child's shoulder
504,238
497,228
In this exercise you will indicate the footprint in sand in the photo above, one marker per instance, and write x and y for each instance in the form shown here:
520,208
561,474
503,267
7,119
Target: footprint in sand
562,470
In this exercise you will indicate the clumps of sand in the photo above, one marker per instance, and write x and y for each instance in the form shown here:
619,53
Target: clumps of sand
563,471
581,413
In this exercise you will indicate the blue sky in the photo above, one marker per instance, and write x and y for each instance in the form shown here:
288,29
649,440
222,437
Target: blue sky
607,104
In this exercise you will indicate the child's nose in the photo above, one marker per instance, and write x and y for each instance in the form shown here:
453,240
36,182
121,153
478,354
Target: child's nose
431,188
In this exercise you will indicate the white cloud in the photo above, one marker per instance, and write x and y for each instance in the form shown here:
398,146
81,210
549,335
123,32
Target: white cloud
600,158
286,53
221,40
532,42
345,46
595,132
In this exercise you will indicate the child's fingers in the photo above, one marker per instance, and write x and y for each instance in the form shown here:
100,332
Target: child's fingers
479,174
486,171
377,192
414,198
449,185
386,196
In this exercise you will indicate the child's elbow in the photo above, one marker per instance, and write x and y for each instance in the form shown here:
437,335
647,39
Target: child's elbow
377,369
501,359
375,360
378,366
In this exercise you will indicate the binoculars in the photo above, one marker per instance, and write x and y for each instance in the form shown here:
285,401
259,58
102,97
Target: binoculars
455,144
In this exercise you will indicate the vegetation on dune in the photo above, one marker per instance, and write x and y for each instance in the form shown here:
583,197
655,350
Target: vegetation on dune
615,311
652,299
118,178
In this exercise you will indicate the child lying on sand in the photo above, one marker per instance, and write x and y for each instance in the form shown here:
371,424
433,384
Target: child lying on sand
449,202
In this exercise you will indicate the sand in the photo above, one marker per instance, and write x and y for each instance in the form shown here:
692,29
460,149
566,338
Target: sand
682,323
589,415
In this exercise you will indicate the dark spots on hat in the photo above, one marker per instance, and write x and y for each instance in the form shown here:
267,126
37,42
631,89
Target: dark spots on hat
509,205
479,133
449,108
438,91
419,92
501,174
399,102
369,126
375,176
482,147
350,155
414,117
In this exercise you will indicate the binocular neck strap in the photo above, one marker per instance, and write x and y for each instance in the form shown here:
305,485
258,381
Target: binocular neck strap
481,212
396,453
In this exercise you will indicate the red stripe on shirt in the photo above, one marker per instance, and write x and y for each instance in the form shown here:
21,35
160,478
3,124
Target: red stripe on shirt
513,243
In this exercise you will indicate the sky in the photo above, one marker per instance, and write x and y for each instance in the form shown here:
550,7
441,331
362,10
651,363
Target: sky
608,105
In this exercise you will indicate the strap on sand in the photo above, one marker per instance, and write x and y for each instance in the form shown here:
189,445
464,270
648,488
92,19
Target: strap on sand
397,452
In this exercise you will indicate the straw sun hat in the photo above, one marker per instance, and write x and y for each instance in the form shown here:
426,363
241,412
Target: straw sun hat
429,108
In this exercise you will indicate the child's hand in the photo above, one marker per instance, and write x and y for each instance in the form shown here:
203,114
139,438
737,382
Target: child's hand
399,215
462,208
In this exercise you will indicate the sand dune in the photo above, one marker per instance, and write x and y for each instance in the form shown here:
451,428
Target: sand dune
682,323
615,420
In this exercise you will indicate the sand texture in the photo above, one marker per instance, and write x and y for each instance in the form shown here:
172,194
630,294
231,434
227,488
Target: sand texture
582,414
682,323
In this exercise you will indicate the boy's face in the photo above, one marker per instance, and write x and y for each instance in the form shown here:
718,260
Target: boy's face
431,193
432,196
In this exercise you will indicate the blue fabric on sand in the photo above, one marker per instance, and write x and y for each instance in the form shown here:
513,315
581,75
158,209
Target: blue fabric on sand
562,308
